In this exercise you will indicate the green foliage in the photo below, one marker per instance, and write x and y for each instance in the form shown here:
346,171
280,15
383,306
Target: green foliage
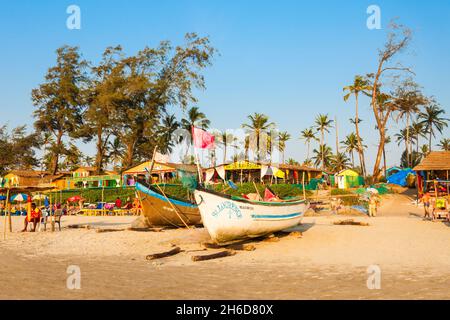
281,190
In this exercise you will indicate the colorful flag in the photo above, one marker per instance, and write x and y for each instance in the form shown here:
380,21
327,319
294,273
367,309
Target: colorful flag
202,139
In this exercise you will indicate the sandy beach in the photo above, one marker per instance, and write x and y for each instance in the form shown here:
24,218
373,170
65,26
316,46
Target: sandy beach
327,262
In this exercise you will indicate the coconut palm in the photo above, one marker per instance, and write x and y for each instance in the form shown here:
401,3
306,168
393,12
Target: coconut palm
351,145
283,137
444,144
169,125
322,124
259,124
432,120
292,162
194,118
424,150
322,157
403,137
408,103
339,162
417,130
308,135
226,139
115,152
360,85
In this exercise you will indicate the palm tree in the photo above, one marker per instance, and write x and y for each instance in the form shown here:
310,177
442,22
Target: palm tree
417,130
407,104
403,137
351,145
322,156
433,121
360,85
283,137
169,125
308,163
323,123
424,150
226,139
116,152
444,144
194,118
292,162
259,124
308,135
339,162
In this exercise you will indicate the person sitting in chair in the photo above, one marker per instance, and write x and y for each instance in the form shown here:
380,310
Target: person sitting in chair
34,217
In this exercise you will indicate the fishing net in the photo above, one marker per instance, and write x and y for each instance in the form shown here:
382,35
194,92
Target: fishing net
189,181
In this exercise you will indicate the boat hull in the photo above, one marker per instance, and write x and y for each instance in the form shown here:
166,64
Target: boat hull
159,212
228,220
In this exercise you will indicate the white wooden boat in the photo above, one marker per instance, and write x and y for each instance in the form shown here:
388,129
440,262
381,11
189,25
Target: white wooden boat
228,218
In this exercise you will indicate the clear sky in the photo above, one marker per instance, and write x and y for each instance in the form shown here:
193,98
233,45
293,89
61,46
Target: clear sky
287,59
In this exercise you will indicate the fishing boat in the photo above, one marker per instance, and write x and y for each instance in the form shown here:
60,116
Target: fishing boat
229,218
163,210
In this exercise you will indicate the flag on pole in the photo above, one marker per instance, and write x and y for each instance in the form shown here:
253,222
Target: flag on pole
202,139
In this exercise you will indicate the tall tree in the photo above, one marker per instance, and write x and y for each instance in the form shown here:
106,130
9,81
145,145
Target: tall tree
17,149
322,156
408,102
60,100
226,139
257,128
403,137
308,135
417,130
323,124
104,96
360,85
398,40
283,137
432,119
339,162
169,124
351,144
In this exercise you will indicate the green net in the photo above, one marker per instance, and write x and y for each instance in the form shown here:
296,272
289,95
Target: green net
189,182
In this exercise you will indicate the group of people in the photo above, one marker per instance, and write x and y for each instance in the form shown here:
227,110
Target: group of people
135,206
432,205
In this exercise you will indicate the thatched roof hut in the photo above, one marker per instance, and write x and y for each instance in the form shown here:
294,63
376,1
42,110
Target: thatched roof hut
435,161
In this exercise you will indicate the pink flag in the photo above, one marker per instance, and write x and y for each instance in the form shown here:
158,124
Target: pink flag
202,139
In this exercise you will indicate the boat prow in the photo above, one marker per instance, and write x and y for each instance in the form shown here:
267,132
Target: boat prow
228,219
163,210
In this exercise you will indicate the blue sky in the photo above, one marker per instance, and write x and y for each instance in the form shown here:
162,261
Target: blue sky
287,59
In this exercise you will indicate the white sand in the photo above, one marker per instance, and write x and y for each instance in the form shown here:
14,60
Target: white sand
328,262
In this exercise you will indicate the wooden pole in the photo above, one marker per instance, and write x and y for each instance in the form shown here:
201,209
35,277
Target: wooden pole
52,220
173,206
200,175
6,213
303,185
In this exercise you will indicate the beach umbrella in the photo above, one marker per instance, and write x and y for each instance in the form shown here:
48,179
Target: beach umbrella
21,197
74,199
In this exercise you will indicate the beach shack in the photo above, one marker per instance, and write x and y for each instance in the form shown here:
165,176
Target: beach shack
347,179
294,174
433,173
84,177
18,178
161,172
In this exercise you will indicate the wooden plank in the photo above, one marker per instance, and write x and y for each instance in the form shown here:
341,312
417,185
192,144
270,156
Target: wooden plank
165,254
351,223
218,255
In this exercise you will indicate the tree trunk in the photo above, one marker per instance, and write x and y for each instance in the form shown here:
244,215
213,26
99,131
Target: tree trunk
321,148
429,142
408,162
100,152
358,137
55,158
376,169
384,161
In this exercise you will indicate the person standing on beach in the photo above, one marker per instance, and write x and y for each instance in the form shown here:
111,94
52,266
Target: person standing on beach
426,200
373,205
